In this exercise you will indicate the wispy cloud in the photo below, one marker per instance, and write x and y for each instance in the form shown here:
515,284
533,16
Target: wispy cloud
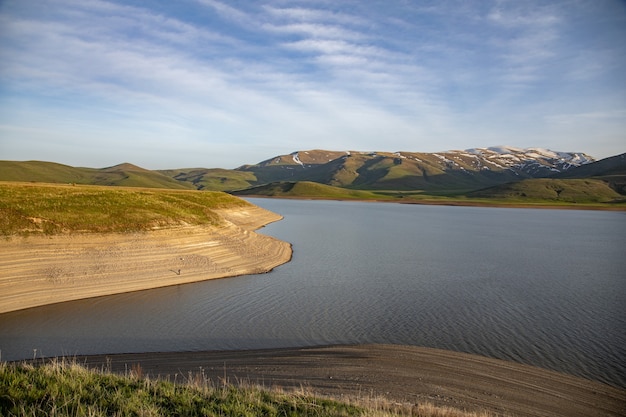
212,73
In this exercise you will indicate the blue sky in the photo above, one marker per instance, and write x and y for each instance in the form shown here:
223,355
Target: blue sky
215,83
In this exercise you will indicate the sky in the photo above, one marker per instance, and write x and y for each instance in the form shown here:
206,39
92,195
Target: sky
216,83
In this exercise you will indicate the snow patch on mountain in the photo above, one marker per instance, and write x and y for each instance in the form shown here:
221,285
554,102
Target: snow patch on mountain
296,158
536,162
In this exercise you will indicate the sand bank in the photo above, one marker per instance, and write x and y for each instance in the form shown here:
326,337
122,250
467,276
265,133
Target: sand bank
39,270
404,374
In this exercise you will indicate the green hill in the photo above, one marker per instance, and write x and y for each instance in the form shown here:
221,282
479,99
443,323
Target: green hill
40,171
216,179
602,181
127,175
555,190
306,189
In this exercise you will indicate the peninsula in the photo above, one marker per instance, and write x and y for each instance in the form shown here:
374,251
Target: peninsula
65,242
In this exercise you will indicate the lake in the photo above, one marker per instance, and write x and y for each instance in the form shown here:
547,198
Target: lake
541,287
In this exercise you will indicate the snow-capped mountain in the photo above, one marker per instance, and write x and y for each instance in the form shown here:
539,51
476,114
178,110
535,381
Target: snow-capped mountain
456,169
530,160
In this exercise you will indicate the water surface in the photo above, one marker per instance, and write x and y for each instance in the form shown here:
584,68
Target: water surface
542,287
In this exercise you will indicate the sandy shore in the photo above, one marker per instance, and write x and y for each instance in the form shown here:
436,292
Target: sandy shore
43,270
402,374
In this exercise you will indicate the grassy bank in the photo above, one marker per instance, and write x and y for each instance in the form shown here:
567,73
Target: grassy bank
60,388
27,208
567,194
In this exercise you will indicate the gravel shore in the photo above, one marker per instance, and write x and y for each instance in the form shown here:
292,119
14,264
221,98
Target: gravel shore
403,374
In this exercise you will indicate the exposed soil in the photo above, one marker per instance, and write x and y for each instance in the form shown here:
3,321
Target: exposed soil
40,270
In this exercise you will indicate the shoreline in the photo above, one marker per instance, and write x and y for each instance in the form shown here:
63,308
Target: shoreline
398,373
453,203
41,270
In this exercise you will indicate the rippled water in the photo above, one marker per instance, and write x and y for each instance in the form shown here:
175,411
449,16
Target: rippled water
542,287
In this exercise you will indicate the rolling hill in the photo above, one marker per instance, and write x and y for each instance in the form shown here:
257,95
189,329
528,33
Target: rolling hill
550,189
119,175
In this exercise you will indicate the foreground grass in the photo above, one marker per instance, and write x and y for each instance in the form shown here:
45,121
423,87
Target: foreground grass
60,388
27,208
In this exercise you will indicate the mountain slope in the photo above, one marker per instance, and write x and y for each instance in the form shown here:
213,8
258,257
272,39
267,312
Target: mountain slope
610,170
615,165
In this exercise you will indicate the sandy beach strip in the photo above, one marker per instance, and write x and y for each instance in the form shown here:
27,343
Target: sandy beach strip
404,374
39,270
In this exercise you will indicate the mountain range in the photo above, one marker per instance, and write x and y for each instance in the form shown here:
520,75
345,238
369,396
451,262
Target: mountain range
452,170
479,172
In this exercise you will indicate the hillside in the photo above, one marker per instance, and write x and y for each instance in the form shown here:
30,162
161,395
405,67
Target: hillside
602,181
556,190
125,174
39,171
615,165
214,179
610,170
307,189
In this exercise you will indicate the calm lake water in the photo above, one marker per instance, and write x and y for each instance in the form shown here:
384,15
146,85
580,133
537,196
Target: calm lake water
541,287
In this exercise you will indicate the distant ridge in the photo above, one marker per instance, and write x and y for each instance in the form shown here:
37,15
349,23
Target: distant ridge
471,172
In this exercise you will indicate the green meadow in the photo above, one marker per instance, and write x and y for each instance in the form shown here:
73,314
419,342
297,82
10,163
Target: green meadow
27,208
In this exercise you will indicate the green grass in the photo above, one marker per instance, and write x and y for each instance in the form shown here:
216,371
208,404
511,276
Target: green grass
60,388
49,209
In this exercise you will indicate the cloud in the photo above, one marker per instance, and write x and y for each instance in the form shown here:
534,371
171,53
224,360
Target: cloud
214,74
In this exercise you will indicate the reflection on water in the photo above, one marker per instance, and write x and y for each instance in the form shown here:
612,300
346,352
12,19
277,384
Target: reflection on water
543,287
